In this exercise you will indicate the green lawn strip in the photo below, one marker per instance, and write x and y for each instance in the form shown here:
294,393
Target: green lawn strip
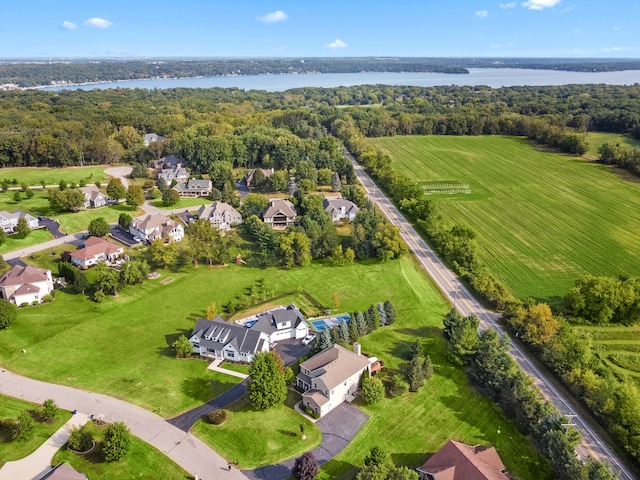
256,438
184,202
72,222
236,367
597,139
11,450
542,219
34,238
143,461
52,176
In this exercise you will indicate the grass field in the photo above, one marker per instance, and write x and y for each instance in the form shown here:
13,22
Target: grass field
618,348
541,219
257,438
597,139
182,203
35,237
52,176
143,461
11,450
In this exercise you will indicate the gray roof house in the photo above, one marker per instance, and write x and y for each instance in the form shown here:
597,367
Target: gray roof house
178,174
9,220
194,188
222,215
93,197
332,377
168,162
340,209
219,339
282,323
279,214
152,227
152,137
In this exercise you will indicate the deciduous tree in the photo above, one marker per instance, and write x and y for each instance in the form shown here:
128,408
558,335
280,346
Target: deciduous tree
305,467
98,227
8,313
117,441
183,347
115,189
135,196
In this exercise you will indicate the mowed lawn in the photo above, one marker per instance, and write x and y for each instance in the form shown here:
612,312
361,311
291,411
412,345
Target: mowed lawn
541,219
52,176
597,139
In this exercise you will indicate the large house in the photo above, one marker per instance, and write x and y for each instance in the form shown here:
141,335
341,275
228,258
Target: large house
221,215
279,214
219,339
9,221
331,377
26,284
96,250
340,209
168,163
459,461
179,174
194,188
152,137
248,178
282,323
151,227
93,197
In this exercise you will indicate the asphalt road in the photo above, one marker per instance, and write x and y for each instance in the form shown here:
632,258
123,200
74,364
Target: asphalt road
592,444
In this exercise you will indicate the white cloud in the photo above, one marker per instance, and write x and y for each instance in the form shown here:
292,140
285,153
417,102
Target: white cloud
67,25
508,5
615,49
540,4
337,44
482,13
616,28
273,17
97,22
503,45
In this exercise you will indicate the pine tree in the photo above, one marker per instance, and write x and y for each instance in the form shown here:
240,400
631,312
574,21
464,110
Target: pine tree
343,328
382,314
353,329
267,386
373,319
335,335
362,324
390,311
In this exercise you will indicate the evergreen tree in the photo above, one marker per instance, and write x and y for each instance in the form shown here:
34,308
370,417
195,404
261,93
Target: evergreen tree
8,313
80,282
322,342
390,311
373,318
382,314
117,441
361,323
344,332
353,329
267,386
335,182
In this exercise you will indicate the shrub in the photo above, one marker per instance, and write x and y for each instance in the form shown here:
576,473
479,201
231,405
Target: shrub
399,387
117,441
98,296
8,313
80,439
23,427
49,410
24,304
47,299
36,302
217,417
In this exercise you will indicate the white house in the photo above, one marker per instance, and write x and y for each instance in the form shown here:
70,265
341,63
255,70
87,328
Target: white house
152,227
93,197
280,214
26,284
219,339
340,209
96,250
222,215
331,377
194,188
282,323
9,221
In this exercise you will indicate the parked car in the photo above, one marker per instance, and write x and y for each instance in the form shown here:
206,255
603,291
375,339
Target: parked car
136,239
308,339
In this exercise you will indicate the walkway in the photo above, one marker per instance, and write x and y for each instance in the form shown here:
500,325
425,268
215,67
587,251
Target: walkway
39,462
183,448
215,366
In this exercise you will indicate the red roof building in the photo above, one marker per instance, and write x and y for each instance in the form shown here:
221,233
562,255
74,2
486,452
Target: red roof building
459,461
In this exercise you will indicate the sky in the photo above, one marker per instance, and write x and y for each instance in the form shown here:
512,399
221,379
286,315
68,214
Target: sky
346,28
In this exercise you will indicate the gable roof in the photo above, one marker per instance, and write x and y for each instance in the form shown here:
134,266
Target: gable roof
95,246
217,334
249,176
194,185
459,461
22,275
280,206
152,137
335,205
151,222
334,365
268,323
16,215
218,209
91,192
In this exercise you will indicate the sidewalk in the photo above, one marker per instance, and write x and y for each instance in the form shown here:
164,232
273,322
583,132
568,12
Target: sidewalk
39,462
215,366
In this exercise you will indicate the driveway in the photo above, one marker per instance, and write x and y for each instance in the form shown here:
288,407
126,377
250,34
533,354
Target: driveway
52,225
120,172
338,428
123,237
291,350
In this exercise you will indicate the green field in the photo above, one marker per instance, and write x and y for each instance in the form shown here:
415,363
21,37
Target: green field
597,139
143,461
542,219
52,176
185,202
618,348
11,450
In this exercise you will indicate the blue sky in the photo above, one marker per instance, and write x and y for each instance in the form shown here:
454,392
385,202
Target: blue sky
251,28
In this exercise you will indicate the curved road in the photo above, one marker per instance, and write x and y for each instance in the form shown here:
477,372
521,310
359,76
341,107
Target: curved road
466,304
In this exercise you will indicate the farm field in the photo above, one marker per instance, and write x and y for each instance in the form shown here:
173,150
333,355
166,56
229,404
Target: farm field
52,176
541,219
597,139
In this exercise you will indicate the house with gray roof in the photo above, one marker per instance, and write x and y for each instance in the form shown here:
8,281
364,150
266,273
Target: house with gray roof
282,323
151,227
340,209
168,162
221,215
194,188
9,220
26,284
179,174
219,339
152,137
332,377
93,197
280,214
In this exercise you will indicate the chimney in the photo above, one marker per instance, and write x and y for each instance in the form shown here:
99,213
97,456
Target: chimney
356,348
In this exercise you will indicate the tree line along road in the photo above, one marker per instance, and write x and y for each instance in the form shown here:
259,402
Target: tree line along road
454,291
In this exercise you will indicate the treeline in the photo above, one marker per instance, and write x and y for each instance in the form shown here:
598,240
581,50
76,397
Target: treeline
611,153
493,370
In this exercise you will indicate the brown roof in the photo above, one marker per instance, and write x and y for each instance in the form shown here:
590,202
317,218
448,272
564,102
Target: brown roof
459,461
151,222
315,398
20,275
338,364
64,471
95,246
92,191
280,206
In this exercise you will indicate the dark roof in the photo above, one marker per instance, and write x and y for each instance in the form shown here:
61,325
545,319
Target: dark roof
64,471
241,338
459,461
268,323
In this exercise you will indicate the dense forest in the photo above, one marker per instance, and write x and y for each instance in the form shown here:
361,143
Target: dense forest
30,73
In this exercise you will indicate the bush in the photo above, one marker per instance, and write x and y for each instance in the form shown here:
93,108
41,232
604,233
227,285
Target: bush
49,410
24,304
36,302
372,390
8,313
47,299
117,441
80,439
399,387
23,427
217,417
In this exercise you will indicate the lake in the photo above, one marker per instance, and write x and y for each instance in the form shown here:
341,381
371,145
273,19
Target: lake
493,77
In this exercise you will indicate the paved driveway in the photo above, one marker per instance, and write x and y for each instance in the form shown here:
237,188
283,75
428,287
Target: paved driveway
291,350
122,236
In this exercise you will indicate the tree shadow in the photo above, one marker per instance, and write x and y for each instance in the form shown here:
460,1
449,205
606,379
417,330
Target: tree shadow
198,388
411,460
167,350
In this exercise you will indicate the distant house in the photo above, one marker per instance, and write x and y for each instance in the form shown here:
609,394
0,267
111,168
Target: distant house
341,209
194,188
179,174
459,461
331,377
221,215
96,250
248,178
93,197
9,221
280,213
151,227
151,137
282,323
219,339
63,471
26,284
168,162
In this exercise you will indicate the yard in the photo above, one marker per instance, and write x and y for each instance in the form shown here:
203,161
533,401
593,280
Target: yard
52,176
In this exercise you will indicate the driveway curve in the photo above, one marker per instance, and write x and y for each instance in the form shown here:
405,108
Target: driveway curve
120,172
183,448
